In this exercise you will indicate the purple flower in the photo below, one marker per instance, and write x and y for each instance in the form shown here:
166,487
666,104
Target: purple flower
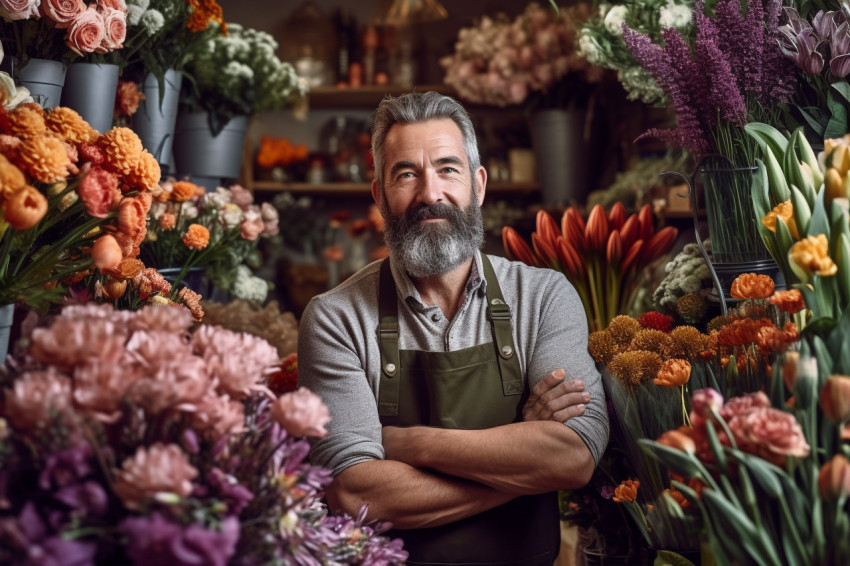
607,491
156,540
43,548
802,48
839,46
65,467
89,498
235,495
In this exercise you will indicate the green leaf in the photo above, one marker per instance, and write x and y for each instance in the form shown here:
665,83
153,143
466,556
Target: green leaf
802,212
808,156
842,261
776,179
767,137
716,447
819,223
816,118
670,558
823,356
679,462
737,532
837,125
791,166
761,191
763,472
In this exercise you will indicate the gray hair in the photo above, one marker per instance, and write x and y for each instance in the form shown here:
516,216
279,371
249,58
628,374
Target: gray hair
415,107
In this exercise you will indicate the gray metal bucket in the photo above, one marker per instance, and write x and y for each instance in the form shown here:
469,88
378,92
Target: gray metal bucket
90,90
155,120
197,153
44,78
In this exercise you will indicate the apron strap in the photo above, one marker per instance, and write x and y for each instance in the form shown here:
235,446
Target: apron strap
499,314
388,391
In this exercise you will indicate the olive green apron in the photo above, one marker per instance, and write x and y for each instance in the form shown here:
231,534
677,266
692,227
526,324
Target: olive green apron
474,388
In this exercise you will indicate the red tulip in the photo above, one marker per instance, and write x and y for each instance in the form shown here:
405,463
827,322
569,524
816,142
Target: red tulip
659,244
516,248
545,251
616,216
614,250
571,260
647,223
572,227
596,230
631,257
630,231
546,227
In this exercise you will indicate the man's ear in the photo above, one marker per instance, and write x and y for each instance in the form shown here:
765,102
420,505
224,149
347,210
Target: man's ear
376,193
481,183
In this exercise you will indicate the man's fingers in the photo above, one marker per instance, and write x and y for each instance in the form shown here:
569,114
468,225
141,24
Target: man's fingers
564,388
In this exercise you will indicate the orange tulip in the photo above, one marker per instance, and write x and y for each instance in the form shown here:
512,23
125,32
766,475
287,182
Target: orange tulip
516,248
24,208
106,253
631,256
673,373
630,231
790,301
614,250
647,222
659,244
546,227
616,216
545,251
570,259
834,478
678,439
596,229
626,491
572,227
835,398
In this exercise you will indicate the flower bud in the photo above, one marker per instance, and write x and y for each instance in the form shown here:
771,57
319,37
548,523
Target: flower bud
834,478
835,398
790,362
678,439
106,253
833,184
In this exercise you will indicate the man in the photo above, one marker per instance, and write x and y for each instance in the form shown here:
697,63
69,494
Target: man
444,369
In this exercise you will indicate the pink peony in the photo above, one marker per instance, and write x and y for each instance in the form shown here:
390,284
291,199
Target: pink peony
19,9
63,12
115,24
159,469
87,32
99,192
301,413
770,434
35,397
219,416
237,361
240,196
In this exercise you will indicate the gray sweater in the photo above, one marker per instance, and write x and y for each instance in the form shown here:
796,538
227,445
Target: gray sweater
338,356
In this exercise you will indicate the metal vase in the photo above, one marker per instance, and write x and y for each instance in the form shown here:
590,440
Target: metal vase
90,90
206,159
560,155
44,78
157,115
7,314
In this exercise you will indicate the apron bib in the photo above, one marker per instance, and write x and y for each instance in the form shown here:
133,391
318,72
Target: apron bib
474,388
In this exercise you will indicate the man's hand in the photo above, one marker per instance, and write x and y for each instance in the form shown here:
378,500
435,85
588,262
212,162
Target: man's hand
555,399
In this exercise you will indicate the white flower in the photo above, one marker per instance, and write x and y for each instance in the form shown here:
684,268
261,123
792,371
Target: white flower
188,210
12,95
674,15
587,47
231,215
249,287
152,21
614,19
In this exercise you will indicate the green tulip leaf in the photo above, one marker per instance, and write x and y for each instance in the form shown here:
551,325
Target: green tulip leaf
837,125
678,461
764,473
670,558
767,137
819,223
802,211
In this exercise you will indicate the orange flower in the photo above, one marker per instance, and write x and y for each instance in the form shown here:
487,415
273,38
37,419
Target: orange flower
44,158
785,211
596,231
122,149
673,373
182,191
70,126
192,300
145,174
197,237
812,256
11,177
790,301
679,439
133,215
835,398
204,12
24,208
834,478
626,491
113,289
752,286
127,268
677,497
167,221
744,331
27,120
127,98
106,253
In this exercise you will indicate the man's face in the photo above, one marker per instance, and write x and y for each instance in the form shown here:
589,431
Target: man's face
432,214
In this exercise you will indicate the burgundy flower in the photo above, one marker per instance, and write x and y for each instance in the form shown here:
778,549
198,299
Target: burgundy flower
802,48
156,540
839,47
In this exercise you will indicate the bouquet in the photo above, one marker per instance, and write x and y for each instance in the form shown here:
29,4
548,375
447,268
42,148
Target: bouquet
73,202
129,439
531,59
60,30
601,40
602,258
189,227
239,75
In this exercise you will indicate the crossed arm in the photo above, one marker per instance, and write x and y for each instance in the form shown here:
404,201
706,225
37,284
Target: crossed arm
434,476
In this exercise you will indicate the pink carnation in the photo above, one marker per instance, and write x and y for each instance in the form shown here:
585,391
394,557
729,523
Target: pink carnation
253,225
99,192
271,219
71,341
100,388
237,361
87,32
19,9
770,434
301,413
34,397
63,12
219,416
115,23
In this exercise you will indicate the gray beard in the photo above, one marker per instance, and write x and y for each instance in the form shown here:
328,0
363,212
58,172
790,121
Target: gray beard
424,250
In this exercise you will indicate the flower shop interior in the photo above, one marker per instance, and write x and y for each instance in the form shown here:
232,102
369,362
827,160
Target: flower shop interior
685,164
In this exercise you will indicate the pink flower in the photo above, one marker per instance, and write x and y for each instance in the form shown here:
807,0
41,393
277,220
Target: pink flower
271,219
241,196
152,317
770,434
744,404
62,12
106,253
71,340
115,23
159,469
99,192
19,9
114,4
35,397
87,32
100,387
702,401
219,416
237,361
301,413
253,225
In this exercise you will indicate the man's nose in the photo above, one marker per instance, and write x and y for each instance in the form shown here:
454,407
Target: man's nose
430,187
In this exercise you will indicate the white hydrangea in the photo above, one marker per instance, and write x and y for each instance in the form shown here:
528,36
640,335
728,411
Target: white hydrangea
249,287
587,47
151,21
674,15
614,19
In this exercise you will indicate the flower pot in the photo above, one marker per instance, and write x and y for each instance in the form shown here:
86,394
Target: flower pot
7,314
560,154
206,159
44,78
194,278
156,117
90,90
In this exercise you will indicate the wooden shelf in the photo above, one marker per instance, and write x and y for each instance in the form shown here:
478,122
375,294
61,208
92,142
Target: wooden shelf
367,97
364,189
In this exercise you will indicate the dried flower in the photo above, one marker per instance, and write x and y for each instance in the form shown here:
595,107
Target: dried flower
687,342
635,367
692,307
622,329
601,346
651,340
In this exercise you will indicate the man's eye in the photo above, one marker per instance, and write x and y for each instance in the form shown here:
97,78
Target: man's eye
450,170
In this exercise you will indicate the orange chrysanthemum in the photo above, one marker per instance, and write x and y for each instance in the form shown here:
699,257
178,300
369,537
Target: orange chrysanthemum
626,491
70,126
204,12
145,174
673,373
601,346
635,367
122,149
27,120
652,340
687,342
752,286
132,217
11,177
622,329
44,158
167,221
790,301
197,237
182,191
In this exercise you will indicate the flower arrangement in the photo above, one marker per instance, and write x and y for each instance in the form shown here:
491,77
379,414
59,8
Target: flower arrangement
238,74
189,227
601,40
60,30
531,59
72,201
280,329
127,438
603,258
685,289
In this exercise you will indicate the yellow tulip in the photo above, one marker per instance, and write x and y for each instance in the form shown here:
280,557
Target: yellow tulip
785,211
811,255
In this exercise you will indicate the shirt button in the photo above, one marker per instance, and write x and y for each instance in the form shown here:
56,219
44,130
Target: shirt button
435,317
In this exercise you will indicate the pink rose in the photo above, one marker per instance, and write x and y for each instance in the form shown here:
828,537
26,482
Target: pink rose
63,12
115,22
87,32
99,192
301,413
114,4
252,226
772,434
19,9
240,196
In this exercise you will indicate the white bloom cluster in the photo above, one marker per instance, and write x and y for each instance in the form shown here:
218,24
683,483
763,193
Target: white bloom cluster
686,273
675,15
248,286
614,19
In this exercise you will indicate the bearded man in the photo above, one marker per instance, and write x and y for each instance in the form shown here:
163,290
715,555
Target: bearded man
461,392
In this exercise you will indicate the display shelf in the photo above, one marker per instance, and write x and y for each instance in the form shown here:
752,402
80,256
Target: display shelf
364,189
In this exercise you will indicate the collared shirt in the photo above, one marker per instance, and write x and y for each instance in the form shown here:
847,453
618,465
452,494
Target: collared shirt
339,359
